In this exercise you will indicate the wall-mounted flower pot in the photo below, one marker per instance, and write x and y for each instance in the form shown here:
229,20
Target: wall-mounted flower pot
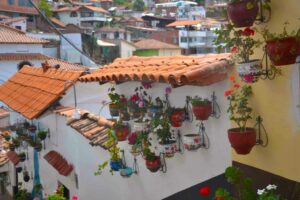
243,13
177,118
249,72
115,165
283,51
122,132
32,128
154,165
242,141
124,115
191,142
139,126
202,112
26,176
126,172
22,157
19,169
114,109
169,148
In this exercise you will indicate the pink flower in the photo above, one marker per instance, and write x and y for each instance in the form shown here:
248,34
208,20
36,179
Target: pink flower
141,104
234,49
74,197
168,90
147,85
227,93
132,138
248,78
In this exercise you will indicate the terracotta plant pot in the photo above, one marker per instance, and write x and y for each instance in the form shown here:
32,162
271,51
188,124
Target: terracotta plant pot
249,71
114,109
283,51
202,112
169,148
153,166
115,165
191,142
243,13
122,132
177,118
242,142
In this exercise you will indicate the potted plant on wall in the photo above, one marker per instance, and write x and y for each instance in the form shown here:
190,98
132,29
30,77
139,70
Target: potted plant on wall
114,105
243,138
42,135
121,130
242,13
202,108
241,44
283,48
177,116
22,156
138,102
155,107
114,151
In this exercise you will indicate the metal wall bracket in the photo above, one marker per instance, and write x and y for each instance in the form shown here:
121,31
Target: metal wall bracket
261,131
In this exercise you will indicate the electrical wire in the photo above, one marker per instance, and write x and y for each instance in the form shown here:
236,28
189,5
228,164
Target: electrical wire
59,32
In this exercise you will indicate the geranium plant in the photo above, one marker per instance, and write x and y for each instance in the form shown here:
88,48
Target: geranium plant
239,109
161,127
139,101
240,42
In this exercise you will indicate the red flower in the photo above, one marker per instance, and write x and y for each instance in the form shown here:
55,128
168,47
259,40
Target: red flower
248,31
231,78
134,98
236,85
234,49
204,191
249,78
227,93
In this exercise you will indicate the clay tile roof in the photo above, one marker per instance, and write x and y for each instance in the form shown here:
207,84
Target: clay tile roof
58,22
3,112
4,17
67,9
110,29
59,163
18,9
22,56
91,126
154,44
3,143
176,70
184,23
13,157
12,20
96,9
10,35
32,90
66,65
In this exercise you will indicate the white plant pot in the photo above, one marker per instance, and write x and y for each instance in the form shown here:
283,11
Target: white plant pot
192,142
169,149
249,71
140,126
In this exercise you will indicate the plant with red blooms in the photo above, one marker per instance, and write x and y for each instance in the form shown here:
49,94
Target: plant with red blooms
239,109
204,191
240,42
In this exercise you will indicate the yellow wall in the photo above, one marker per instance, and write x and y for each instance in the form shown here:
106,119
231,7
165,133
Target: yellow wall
273,101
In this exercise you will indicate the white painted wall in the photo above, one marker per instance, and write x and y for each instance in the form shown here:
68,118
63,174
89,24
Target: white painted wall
21,48
169,52
65,18
22,24
126,49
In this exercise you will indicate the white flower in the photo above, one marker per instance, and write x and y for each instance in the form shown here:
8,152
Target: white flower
260,192
271,187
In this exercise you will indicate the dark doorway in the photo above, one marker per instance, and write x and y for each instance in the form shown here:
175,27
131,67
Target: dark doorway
66,191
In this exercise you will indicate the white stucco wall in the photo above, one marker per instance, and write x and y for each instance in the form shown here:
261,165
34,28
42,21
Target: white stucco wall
169,52
22,24
65,18
21,48
126,49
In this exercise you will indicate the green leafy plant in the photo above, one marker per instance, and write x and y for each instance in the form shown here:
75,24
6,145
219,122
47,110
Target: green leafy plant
22,194
46,8
113,95
161,126
268,193
239,109
58,194
267,35
240,42
42,134
197,101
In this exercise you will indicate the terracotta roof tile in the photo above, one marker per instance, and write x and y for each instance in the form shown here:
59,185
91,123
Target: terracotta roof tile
19,9
67,9
154,44
10,35
22,56
4,17
66,65
204,22
59,163
3,143
91,126
176,70
13,157
58,22
96,9
31,90
12,20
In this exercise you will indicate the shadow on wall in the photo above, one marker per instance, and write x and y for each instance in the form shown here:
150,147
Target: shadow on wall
192,193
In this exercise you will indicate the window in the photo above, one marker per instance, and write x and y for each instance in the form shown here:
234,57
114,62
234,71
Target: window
116,35
11,2
30,18
103,35
24,3
87,14
18,27
73,14
183,39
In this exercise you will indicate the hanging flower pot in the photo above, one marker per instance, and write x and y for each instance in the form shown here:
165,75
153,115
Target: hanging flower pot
177,117
124,115
121,131
19,169
202,109
115,165
140,126
242,141
169,148
32,128
114,109
191,142
126,172
22,156
283,51
26,176
243,13
154,164
38,147
249,71
42,135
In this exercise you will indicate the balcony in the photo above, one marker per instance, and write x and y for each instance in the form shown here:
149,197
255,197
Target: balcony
86,19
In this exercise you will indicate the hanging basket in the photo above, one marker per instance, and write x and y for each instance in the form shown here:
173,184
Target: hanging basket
154,165
115,165
114,109
122,132
242,141
283,51
177,117
191,142
202,112
243,13
249,72
169,148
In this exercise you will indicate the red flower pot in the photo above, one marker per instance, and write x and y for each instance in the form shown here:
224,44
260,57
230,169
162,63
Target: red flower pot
122,133
283,51
153,166
177,118
242,141
202,112
243,13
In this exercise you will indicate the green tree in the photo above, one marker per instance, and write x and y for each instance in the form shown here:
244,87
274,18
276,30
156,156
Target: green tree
138,5
45,7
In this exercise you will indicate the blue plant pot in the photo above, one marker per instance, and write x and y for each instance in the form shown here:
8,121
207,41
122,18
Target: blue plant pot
126,172
154,109
115,165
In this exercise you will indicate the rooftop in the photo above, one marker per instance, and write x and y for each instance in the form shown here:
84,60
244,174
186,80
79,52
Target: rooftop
18,9
58,22
176,70
59,163
110,29
154,44
32,90
12,20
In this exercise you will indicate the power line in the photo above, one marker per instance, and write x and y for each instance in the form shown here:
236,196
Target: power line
59,32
